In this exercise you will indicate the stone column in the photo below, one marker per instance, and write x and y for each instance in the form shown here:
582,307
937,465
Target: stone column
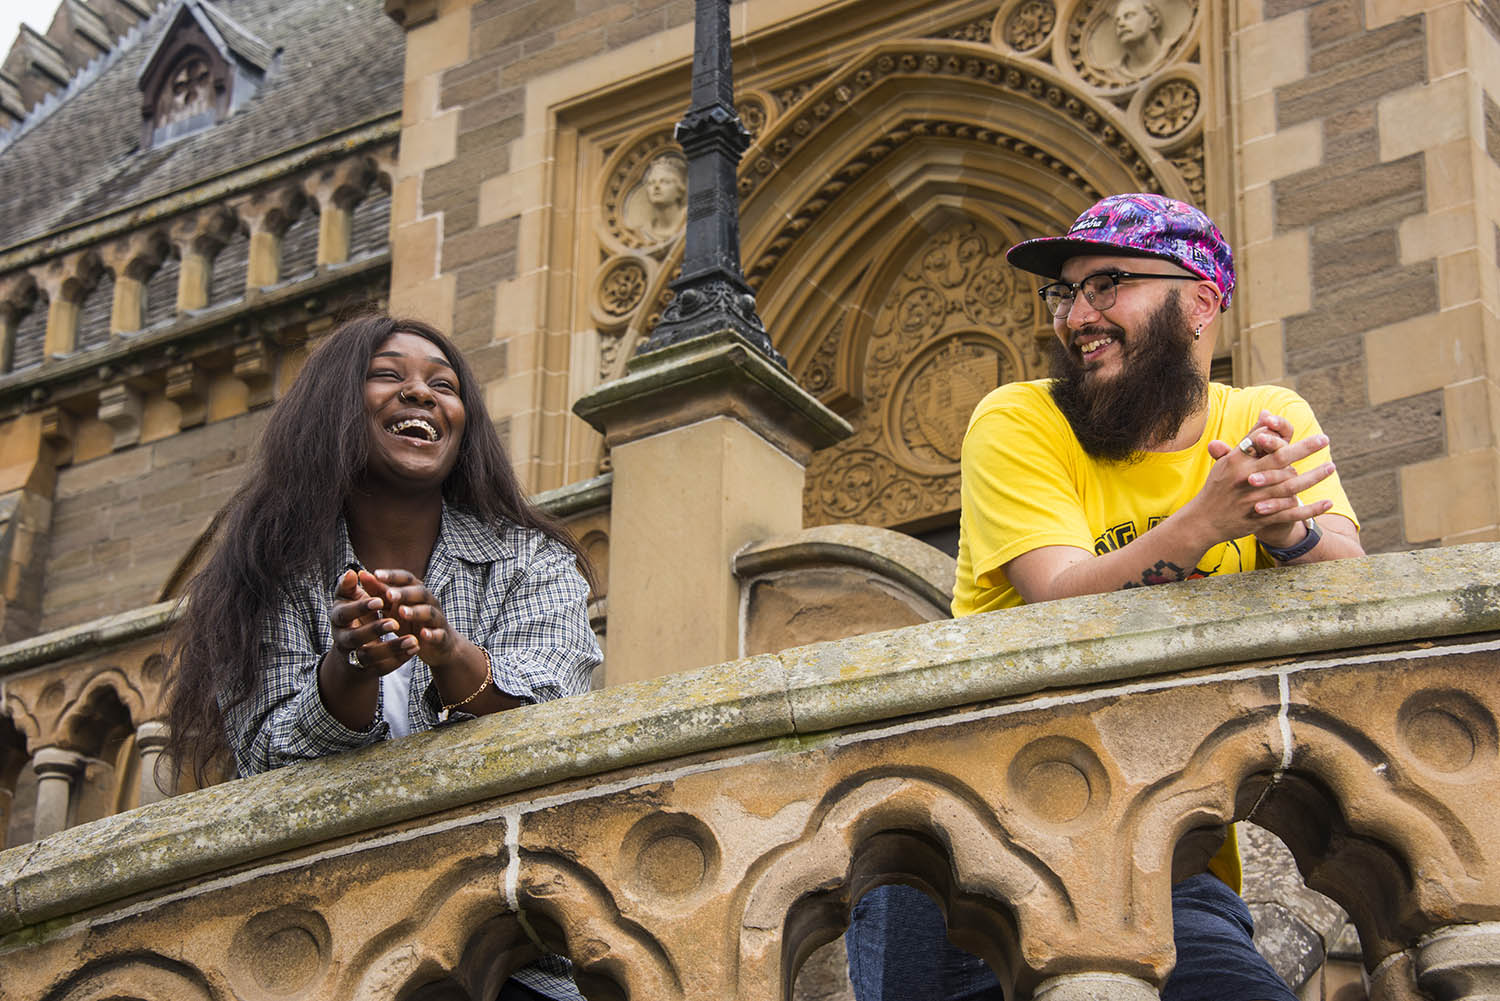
268,214
56,768
1461,963
132,259
9,316
710,440
67,280
1095,987
156,767
337,189
199,238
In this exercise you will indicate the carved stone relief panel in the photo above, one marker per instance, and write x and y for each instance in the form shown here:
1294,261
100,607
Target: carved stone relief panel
1116,43
645,195
951,324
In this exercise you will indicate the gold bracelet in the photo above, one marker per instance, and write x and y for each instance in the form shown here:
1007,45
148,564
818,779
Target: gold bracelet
489,675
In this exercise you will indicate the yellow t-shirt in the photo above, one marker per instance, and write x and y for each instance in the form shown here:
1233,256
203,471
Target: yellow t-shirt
1027,483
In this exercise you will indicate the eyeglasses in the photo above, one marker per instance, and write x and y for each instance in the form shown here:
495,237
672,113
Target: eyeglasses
1099,289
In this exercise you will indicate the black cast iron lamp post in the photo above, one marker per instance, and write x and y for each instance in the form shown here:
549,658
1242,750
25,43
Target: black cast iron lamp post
712,295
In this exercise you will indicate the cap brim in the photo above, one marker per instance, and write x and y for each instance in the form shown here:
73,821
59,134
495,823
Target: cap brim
1046,255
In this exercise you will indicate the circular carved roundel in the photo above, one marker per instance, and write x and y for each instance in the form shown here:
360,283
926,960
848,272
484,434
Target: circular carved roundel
1028,24
280,952
1170,108
1447,731
929,406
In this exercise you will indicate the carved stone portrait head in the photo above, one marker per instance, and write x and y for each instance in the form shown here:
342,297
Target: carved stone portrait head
1127,39
657,206
1138,27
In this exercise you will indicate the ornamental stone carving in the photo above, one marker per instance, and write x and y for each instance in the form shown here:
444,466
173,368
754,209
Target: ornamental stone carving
619,289
1114,43
645,195
755,112
1028,25
952,326
654,210
1189,164
1170,108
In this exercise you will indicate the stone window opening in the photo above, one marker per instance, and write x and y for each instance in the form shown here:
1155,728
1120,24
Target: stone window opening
187,103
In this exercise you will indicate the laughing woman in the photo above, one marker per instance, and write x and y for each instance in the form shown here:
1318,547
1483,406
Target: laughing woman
380,572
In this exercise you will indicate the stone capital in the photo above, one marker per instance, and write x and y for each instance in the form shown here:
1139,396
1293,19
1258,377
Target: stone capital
69,277
151,735
340,184
411,13
204,232
270,211
718,375
57,761
1461,961
17,293
135,256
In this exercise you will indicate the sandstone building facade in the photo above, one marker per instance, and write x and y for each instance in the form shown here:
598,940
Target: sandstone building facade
192,192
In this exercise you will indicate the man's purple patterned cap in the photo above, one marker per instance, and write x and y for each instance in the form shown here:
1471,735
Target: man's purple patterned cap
1148,225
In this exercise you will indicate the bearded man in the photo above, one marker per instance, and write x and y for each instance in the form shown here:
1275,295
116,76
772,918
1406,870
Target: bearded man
1120,472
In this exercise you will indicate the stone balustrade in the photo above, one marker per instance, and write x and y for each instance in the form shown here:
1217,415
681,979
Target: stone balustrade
1038,771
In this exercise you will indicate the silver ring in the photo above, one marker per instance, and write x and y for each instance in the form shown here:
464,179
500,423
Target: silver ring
354,661
1248,447
387,637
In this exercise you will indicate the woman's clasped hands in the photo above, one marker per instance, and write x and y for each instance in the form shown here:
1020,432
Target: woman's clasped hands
381,620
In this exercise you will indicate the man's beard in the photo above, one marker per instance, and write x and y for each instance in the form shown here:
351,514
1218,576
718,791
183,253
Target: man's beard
1159,386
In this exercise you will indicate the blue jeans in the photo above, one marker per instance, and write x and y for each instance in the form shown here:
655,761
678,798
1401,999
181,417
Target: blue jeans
899,950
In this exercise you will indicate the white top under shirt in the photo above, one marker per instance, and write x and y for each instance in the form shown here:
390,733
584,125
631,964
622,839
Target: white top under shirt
395,689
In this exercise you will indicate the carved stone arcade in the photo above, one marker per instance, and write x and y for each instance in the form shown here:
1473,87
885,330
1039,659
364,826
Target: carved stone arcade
697,837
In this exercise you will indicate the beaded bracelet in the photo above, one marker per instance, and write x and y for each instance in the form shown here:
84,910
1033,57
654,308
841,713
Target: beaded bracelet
489,673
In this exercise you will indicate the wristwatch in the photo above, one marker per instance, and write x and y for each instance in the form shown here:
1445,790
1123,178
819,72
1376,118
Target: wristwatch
1314,534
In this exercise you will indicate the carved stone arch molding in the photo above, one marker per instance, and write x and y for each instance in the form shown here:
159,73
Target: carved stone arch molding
1003,903
917,342
136,977
456,930
1385,798
574,911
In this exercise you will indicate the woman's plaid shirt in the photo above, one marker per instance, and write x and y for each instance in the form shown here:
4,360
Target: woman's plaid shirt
513,590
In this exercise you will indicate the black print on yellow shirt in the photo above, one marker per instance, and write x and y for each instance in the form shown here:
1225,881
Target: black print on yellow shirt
1122,535
1164,572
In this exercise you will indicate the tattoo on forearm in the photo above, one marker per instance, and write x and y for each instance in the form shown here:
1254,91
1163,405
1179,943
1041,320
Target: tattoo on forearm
1164,572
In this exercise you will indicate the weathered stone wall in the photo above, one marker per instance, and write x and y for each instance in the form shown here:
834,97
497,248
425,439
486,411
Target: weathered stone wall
1370,286
123,522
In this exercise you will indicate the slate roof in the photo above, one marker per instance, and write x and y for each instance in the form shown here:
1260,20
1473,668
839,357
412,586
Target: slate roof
340,63
237,37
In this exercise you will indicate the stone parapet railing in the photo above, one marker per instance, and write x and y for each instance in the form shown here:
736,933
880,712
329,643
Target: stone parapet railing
1039,771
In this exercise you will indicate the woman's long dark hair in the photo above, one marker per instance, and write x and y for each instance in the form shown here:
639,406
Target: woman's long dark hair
282,523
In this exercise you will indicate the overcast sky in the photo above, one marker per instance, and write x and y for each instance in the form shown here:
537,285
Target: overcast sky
37,13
